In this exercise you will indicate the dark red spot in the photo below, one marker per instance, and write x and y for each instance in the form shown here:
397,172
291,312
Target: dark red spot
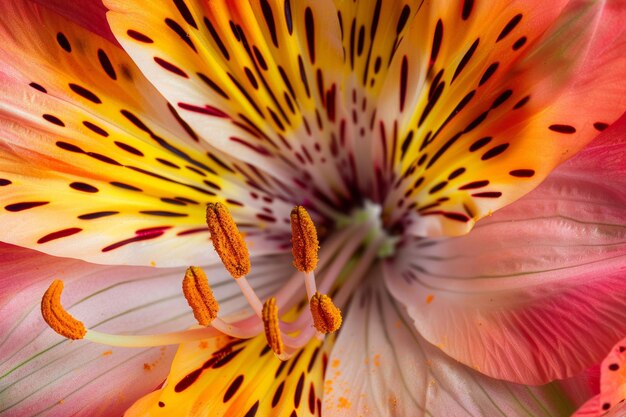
105,62
86,188
559,128
139,36
310,33
297,395
232,389
96,129
84,93
138,238
53,119
63,42
38,87
509,27
522,173
278,393
474,185
170,67
60,234
495,151
97,215
25,205
600,126
488,194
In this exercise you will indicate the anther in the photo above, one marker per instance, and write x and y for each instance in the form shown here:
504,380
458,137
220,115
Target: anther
272,329
199,295
305,243
326,315
227,240
55,315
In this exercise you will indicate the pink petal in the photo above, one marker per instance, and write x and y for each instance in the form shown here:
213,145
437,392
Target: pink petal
537,291
40,371
380,366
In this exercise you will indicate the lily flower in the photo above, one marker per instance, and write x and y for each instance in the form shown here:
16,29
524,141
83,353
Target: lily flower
466,266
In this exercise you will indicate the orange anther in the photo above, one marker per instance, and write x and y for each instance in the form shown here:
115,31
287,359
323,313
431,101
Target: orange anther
304,237
55,315
227,240
199,295
272,329
326,316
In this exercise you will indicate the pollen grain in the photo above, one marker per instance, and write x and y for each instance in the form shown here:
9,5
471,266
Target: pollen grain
326,315
199,295
305,242
227,240
55,315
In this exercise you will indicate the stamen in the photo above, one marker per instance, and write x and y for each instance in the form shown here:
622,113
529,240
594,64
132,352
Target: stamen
55,315
199,295
326,315
272,330
305,242
227,240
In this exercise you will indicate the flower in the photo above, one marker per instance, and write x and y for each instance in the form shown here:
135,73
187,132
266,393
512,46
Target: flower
398,126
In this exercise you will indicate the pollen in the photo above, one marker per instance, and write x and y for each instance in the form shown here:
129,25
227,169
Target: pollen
55,315
199,295
227,240
305,243
272,330
326,315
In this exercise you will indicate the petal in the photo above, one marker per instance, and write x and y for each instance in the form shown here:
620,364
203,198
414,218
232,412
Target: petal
483,101
40,372
515,297
87,140
258,80
381,367
228,377
613,378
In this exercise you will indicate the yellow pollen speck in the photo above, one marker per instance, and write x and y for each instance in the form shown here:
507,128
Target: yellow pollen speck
203,344
55,315
430,299
227,240
107,353
305,242
335,363
199,296
152,263
344,403
326,316
272,330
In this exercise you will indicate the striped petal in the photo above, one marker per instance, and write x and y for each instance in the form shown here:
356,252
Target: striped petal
516,296
484,99
43,373
227,377
258,80
381,367
89,143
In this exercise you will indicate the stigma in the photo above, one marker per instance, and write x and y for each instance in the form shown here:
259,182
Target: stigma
284,338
